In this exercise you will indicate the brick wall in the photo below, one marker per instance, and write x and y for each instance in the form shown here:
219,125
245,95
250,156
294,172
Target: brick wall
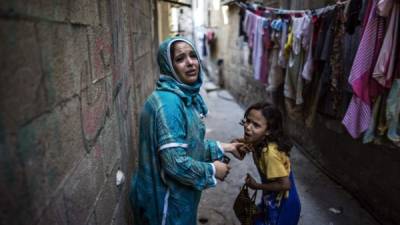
74,75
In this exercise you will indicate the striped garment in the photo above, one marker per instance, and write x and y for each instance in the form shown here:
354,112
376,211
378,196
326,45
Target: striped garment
358,115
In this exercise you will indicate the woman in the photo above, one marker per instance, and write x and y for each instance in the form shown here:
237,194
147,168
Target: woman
175,161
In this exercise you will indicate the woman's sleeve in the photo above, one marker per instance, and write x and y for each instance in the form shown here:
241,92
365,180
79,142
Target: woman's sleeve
172,147
186,170
214,150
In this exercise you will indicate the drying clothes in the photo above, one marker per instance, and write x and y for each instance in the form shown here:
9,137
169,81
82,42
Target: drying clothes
316,90
258,47
294,81
384,7
350,46
307,45
384,68
266,47
358,115
277,24
249,24
282,58
393,112
393,107
377,125
332,96
354,9
275,76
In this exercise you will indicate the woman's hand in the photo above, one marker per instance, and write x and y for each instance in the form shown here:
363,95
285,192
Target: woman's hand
221,170
250,182
237,149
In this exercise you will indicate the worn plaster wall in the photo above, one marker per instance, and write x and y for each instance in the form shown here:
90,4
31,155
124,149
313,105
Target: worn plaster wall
74,75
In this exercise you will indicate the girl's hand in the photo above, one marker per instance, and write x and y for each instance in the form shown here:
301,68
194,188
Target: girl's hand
250,182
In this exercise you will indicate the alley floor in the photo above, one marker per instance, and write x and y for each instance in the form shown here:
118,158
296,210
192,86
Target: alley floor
323,201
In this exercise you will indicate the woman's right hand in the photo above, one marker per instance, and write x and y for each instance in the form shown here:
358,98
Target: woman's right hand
237,149
221,170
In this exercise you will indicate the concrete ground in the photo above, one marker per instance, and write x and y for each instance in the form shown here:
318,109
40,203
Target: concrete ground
323,201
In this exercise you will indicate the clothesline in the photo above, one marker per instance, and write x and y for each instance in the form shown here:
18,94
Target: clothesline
294,11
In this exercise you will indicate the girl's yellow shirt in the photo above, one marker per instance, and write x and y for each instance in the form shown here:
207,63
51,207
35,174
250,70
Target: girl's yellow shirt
274,163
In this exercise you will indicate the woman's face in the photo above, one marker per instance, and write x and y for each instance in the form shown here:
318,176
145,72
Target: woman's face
255,127
185,62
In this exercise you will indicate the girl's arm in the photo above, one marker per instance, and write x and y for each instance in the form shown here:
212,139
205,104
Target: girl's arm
278,184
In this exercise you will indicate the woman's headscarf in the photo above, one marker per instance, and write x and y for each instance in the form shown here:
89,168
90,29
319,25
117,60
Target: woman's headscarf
169,80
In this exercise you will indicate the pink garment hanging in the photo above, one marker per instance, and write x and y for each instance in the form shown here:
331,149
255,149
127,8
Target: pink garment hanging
384,7
249,24
384,68
365,88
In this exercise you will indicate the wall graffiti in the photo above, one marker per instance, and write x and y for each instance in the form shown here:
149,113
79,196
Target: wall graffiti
95,96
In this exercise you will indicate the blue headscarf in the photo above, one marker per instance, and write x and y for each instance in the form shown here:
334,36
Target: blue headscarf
169,80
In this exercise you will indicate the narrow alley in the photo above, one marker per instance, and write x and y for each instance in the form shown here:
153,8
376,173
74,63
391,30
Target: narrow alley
324,202
102,105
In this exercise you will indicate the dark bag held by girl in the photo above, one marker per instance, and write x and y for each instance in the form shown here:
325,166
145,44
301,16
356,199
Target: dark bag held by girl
245,206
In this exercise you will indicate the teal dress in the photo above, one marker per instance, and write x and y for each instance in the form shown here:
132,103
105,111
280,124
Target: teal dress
175,161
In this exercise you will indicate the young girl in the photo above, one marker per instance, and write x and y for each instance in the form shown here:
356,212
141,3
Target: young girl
263,132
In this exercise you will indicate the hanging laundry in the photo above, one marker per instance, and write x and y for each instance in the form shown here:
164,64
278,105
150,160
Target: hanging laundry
393,112
314,52
308,30
358,114
334,83
393,106
283,56
353,12
384,68
266,47
378,125
316,90
258,47
384,7
249,24
293,79
275,76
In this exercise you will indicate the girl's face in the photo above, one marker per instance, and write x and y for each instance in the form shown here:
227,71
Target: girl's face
185,62
255,127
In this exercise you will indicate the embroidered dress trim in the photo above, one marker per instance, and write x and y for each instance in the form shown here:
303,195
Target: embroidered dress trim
213,175
220,147
173,145
165,208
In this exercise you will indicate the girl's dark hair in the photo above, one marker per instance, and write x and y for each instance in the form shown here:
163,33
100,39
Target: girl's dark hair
274,125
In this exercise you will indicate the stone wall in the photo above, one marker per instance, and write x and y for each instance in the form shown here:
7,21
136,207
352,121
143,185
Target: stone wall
74,75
